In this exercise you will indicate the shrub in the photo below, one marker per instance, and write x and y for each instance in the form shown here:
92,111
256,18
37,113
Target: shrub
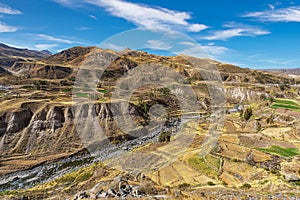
210,183
164,136
67,90
247,114
184,185
224,183
274,171
246,186
83,176
297,183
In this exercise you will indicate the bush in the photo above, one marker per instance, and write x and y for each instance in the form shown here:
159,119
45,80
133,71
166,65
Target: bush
246,186
274,172
247,114
224,183
282,87
184,185
164,136
83,177
210,183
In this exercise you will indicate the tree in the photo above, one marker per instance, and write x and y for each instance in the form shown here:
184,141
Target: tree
247,114
165,136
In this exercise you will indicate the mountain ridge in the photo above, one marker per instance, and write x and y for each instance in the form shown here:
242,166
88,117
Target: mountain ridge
7,51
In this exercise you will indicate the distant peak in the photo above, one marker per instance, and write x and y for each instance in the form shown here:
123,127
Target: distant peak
46,52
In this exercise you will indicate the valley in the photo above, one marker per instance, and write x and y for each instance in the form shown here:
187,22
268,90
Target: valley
90,123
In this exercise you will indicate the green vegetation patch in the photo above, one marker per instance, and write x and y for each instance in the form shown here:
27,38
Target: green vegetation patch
184,185
67,89
208,165
281,151
296,183
165,136
7,192
285,104
82,95
103,91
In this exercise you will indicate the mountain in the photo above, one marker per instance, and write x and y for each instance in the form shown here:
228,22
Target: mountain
7,51
291,71
9,56
65,133
73,55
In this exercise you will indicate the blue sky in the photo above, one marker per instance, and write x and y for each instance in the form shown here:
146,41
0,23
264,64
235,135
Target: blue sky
254,34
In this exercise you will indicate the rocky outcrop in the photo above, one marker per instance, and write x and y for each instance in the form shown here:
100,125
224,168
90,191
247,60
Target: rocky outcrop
37,129
123,187
240,94
290,170
19,120
3,125
4,71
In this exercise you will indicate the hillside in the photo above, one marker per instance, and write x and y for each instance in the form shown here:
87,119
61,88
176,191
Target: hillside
7,51
95,123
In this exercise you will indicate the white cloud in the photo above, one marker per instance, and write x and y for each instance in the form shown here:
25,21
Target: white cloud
214,50
202,51
158,45
4,9
144,16
69,3
7,28
151,18
113,47
271,6
45,46
55,39
236,30
290,14
15,45
83,28
197,27
278,61
93,17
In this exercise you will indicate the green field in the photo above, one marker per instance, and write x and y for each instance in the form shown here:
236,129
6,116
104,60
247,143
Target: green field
82,95
209,166
103,91
281,151
289,107
285,104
